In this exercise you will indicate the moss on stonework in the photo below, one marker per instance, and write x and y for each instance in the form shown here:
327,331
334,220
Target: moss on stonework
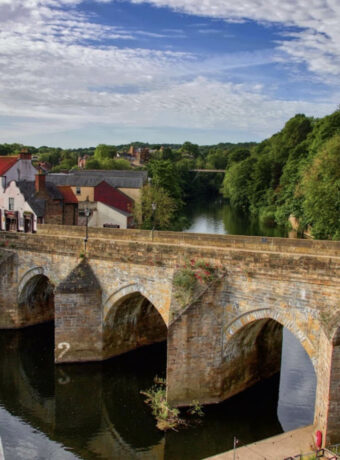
190,282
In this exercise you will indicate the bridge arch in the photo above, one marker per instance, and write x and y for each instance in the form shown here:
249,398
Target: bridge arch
28,276
123,292
131,320
35,297
252,351
285,320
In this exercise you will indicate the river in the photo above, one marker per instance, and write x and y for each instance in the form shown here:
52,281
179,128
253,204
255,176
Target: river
216,216
96,411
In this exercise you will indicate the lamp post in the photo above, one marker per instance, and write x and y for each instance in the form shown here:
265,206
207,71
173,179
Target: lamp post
153,207
87,215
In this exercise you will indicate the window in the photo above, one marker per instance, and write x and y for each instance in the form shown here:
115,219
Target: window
11,204
78,190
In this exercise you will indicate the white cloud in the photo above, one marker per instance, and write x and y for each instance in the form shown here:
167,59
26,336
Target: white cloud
317,45
58,73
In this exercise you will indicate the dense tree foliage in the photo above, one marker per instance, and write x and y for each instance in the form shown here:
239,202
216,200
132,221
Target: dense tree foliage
295,172
155,210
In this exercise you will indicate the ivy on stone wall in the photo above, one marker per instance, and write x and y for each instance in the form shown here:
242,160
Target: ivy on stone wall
191,280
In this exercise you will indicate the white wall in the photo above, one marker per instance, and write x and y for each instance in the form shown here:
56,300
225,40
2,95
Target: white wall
12,191
106,215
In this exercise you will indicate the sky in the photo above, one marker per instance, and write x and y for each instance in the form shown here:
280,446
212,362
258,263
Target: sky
77,73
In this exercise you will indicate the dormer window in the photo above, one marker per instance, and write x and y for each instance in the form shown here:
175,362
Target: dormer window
11,204
78,190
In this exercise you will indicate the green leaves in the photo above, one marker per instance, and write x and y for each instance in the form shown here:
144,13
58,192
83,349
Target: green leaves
155,209
321,191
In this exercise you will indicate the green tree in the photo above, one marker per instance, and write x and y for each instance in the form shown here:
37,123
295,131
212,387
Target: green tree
321,191
236,184
164,175
92,163
104,152
156,209
190,149
217,159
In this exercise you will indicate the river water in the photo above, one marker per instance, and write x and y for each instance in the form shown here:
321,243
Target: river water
216,216
96,411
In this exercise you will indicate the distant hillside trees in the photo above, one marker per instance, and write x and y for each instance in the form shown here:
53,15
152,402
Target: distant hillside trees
295,172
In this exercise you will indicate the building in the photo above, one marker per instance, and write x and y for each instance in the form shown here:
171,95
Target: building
140,155
82,161
83,182
17,168
109,195
25,203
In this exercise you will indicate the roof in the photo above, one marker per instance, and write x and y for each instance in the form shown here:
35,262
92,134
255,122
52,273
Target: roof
88,178
68,195
37,203
6,163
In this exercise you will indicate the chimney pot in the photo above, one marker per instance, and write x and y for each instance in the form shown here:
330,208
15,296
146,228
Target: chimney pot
25,155
40,181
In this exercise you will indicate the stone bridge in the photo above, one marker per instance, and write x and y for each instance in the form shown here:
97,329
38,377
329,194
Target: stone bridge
120,295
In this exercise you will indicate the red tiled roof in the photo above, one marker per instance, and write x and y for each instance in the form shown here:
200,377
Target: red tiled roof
6,163
68,195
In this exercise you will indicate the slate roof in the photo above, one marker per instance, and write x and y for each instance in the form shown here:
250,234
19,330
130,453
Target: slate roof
88,178
37,202
6,163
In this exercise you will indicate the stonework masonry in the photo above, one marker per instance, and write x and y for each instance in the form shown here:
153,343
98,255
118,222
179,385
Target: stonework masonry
120,296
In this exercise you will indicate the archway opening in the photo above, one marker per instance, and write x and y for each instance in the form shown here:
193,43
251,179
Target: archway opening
257,352
36,301
131,323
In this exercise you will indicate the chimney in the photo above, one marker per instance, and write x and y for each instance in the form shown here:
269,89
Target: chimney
25,155
40,181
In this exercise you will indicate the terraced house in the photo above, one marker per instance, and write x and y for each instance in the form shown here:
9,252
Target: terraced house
108,195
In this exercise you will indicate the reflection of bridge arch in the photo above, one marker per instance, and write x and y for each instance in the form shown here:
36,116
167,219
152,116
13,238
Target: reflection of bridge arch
249,319
131,320
26,371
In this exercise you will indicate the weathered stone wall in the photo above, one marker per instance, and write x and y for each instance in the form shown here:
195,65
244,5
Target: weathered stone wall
268,281
78,318
8,294
194,353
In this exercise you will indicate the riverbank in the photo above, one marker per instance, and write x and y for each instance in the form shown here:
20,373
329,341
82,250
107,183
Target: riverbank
277,447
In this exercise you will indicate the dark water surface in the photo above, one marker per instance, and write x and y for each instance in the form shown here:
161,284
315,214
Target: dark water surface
96,411
216,216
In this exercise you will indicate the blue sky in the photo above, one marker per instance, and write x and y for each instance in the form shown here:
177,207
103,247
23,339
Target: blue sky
77,73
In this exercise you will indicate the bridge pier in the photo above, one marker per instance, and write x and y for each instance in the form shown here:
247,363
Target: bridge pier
202,366
327,403
9,312
78,318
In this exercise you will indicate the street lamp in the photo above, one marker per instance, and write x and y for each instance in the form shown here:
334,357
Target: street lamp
153,207
87,215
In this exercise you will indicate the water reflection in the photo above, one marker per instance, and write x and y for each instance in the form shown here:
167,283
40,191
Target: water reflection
218,217
297,385
96,411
